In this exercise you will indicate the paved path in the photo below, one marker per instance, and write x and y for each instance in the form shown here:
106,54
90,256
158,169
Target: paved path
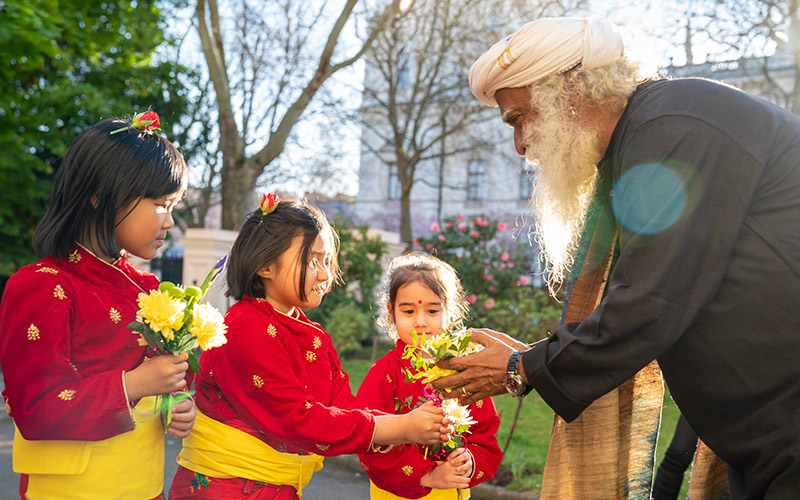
339,479
332,482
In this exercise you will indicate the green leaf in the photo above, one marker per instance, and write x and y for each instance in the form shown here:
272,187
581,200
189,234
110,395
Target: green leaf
195,366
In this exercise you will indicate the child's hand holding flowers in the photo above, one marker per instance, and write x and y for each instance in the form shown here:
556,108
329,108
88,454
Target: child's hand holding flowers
172,320
424,355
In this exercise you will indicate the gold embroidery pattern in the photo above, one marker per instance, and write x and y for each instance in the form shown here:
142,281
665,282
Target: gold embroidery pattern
388,378
67,394
75,256
364,466
271,330
317,342
341,374
479,474
74,367
479,404
408,470
115,316
258,381
59,293
261,300
33,332
48,270
308,405
323,447
311,356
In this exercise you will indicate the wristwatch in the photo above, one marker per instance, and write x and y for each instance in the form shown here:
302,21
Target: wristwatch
513,381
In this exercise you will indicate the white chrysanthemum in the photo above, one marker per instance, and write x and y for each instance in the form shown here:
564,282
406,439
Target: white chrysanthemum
460,416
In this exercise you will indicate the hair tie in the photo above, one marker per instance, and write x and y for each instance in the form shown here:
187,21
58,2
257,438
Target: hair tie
142,121
269,202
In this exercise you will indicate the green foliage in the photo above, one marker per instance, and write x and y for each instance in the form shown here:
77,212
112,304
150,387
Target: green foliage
348,326
496,272
347,312
67,64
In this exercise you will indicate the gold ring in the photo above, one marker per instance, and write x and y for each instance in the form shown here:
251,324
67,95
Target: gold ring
464,391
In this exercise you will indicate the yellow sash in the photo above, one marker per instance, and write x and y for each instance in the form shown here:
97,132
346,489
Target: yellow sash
124,467
376,493
219,450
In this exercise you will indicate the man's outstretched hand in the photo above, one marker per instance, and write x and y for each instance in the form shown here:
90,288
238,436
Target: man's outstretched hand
482,373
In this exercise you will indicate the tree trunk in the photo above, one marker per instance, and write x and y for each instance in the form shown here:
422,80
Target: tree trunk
405,217
237,190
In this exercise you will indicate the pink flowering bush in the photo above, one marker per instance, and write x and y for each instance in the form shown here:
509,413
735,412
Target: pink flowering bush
497,272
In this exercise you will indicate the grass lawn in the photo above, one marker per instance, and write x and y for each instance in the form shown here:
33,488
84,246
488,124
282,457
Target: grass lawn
526,453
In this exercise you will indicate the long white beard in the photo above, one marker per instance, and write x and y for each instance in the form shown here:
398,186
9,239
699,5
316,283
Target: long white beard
565,154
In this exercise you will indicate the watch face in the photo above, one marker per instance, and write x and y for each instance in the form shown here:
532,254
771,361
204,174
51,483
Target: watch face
513,384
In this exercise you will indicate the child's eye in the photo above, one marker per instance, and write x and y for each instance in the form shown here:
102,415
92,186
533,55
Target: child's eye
433,311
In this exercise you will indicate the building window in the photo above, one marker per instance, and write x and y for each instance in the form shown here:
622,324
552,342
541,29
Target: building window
526,177
476,180
393,190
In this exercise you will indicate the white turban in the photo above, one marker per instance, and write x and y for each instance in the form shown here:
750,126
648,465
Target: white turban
541,48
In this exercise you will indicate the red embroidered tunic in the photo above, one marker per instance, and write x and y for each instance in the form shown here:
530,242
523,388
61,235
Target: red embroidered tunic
279,379
64,344
399,471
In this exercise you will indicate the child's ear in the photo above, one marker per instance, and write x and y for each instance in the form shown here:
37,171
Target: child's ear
266,272
391,311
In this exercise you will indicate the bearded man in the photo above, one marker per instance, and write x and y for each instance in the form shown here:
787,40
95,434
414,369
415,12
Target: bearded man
671,207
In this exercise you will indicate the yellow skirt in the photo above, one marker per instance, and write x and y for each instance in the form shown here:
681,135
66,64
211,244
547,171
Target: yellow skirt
376,493
129,466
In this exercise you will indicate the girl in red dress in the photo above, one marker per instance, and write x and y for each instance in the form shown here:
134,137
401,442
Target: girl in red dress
73,371
273,400
423,294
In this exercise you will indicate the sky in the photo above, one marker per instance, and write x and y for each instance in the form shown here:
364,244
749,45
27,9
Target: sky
313,142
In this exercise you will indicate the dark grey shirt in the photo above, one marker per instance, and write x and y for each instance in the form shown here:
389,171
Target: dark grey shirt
707,281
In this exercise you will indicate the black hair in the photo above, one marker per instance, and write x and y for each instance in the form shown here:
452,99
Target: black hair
101,174
264,238
437,275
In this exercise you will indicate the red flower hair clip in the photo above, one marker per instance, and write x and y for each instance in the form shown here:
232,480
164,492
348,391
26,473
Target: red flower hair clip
269,202
142,121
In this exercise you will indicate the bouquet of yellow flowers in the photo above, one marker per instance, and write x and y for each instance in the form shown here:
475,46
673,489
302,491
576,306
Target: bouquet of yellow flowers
424,354
172,320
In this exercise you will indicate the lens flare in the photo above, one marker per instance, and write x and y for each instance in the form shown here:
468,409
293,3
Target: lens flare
649,198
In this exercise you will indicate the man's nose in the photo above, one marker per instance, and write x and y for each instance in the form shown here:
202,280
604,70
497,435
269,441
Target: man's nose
519,143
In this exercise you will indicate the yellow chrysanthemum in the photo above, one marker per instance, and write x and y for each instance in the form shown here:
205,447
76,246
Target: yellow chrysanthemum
436,372
161,312
435,342
208,326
